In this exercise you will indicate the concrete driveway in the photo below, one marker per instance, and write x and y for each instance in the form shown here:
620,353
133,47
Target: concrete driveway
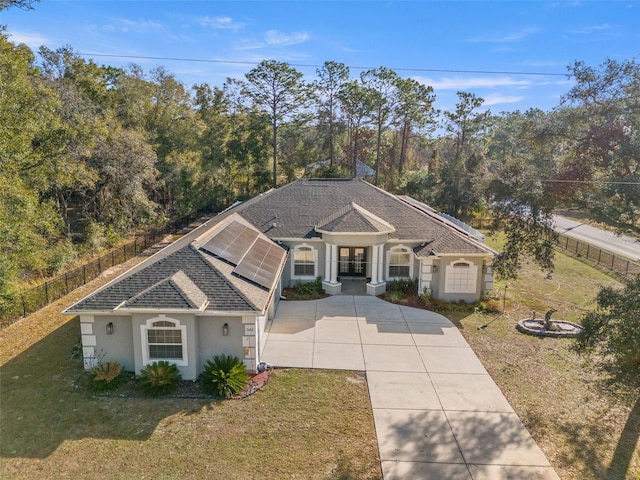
437,412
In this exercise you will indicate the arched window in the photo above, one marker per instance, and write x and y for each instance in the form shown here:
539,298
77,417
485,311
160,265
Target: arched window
305,263
399,262
462,277
164,339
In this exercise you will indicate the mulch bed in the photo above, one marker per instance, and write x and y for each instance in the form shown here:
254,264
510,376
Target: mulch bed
256,383
187,389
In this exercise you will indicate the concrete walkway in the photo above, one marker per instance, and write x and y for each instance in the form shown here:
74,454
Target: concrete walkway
437,412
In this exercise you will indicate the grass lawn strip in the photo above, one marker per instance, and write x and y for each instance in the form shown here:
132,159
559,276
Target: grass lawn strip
305,424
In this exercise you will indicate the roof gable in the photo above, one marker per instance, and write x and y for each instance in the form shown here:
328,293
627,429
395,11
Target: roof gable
177,291
353,219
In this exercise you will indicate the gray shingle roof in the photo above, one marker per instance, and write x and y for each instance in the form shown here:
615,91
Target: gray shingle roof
177,291
293,211
182,277
158,286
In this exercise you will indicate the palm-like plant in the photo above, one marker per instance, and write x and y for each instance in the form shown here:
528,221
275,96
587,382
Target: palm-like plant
160,378
224,376
107,376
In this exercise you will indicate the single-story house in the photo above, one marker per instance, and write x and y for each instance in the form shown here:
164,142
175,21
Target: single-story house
212,291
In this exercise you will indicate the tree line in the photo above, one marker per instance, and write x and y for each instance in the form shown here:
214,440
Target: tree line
91,153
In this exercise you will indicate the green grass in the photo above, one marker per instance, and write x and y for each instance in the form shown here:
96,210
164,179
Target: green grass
583,414
304,424
310,424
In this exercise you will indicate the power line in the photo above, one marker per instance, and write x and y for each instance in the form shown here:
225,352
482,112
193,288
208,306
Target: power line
311,65
548,180
596,182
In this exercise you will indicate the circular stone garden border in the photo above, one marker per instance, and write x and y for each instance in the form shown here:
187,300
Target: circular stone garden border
537,327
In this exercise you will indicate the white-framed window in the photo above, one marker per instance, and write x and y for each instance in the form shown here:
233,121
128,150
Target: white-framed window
461,277
164,339
305,262
400,262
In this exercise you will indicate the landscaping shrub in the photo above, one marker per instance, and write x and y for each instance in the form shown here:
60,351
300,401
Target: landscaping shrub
394,296
308,289
106,376
432,303
490,305
159,378
224,376
403,286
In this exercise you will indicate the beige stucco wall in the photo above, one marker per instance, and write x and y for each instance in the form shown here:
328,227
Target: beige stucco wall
436,280
204,339
211,342
344,240
188,371
119,345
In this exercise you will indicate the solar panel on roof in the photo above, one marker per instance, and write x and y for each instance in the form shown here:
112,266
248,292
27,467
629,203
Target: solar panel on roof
232,242
262,263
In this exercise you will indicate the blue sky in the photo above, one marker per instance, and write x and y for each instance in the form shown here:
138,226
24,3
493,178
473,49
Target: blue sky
410,37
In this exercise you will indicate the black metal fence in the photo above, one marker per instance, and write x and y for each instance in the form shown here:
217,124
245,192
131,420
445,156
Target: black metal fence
618,264
585,251
55,288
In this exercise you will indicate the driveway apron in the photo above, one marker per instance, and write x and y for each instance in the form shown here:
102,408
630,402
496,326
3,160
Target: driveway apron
437,412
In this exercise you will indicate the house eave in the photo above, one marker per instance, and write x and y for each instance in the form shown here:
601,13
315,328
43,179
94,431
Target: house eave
229,313
71,311
297,239
360,234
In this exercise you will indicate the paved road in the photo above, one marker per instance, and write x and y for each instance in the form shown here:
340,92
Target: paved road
622,245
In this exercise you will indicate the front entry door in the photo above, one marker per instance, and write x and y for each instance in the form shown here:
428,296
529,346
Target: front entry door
352,262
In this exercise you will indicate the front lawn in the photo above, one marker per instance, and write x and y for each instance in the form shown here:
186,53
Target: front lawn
304,424
584,414
310,424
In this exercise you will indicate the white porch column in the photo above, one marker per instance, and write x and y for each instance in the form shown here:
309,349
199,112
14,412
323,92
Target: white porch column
374,263
327,262
334,263
380,278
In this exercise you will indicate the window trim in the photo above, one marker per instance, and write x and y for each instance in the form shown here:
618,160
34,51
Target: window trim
148,325
399,249
304,248
450,285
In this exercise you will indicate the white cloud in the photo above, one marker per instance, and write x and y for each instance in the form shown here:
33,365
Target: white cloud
137,26
460,83
490,100
221,23
32,40
591,29
248,45
504,37
274,37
